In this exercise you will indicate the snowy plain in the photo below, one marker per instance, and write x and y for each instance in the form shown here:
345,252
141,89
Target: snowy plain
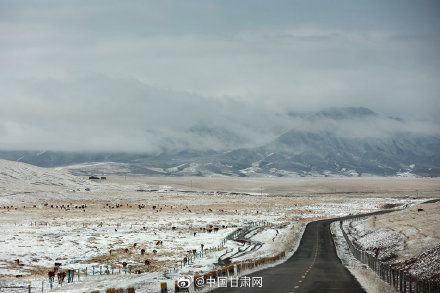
49,215
407,239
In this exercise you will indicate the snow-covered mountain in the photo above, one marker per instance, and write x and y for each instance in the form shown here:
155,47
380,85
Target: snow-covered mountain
349,141
20,177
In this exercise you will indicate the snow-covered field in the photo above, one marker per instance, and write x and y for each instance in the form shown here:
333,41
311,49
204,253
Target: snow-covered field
409,239
48,216
365,276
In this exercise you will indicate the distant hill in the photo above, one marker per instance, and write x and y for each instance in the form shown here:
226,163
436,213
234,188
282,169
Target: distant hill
21,177
327,143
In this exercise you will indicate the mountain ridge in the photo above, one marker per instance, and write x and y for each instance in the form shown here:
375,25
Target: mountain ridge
295,152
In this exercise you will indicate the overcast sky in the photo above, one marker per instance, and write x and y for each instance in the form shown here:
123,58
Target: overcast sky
138,75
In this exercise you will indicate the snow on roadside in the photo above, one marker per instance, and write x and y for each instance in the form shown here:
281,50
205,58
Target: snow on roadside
425,265
383,243
365,276
407,239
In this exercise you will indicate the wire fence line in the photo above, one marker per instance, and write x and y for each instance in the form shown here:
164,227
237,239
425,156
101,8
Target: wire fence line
399,279
78,275
190,258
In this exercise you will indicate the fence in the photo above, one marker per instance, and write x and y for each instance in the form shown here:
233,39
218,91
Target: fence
117,290
190,258
234,269
201,280
401,280
77,275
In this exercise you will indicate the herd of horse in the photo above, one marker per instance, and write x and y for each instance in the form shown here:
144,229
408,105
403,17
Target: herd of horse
62,274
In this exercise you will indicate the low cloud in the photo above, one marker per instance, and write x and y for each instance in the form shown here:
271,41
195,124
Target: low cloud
148,76
98,113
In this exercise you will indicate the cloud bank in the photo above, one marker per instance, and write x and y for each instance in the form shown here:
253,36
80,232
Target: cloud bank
147,76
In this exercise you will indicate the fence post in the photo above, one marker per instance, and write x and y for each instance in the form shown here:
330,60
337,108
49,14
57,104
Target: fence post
404,282
394,278
390,276
400,280
386,273
163,287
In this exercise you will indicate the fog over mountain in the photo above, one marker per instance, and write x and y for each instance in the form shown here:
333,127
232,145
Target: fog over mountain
102,114
326,143
222,87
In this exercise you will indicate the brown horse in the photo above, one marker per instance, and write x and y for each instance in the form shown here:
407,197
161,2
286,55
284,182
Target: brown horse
51,275
61,276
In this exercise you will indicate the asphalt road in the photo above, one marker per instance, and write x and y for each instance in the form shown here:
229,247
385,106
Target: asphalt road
315,267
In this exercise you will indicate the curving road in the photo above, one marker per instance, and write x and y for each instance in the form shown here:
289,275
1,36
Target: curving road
315,267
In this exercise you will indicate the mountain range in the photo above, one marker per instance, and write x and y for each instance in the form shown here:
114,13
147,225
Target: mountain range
331,142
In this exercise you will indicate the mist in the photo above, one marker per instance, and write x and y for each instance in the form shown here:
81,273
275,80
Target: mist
149,77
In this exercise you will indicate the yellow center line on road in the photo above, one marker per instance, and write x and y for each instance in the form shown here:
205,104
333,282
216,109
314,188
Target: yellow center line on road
310,267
